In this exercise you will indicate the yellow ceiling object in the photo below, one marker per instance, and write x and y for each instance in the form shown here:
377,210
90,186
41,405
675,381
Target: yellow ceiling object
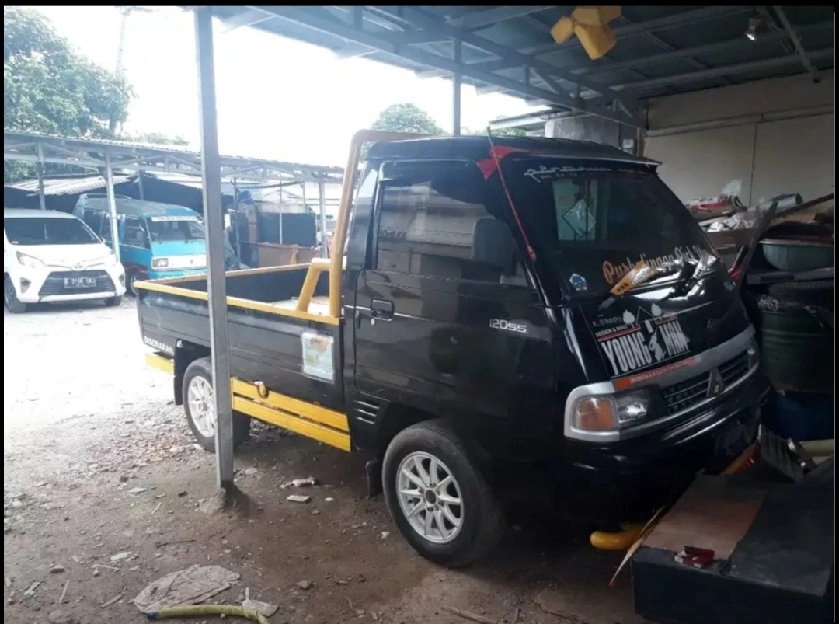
591,25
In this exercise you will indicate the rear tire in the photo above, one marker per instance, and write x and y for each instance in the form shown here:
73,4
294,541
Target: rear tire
200,412
13,304
456,533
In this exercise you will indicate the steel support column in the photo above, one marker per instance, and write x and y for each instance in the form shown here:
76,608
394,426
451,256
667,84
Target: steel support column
324,243
42,200
112,204
457,81
214,220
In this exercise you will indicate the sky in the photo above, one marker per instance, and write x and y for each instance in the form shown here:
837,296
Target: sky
277,98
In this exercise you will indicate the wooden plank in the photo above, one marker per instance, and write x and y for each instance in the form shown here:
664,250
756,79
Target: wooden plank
710,514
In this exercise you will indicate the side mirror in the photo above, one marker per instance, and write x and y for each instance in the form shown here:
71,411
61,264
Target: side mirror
493,244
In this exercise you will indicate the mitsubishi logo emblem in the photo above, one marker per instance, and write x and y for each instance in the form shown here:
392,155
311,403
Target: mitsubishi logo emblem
715,383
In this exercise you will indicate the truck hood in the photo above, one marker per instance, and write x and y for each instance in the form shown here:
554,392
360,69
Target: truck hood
659,328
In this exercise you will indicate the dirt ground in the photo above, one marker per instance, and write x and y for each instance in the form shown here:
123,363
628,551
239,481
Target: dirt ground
104,492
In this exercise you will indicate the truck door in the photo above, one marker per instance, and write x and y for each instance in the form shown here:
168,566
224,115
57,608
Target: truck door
435,329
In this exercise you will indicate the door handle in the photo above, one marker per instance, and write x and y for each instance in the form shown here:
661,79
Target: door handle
381,309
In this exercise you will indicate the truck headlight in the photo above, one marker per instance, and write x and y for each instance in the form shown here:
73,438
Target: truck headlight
30,261
160,263
610,412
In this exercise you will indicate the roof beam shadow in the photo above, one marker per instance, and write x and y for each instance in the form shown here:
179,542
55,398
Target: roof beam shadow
729,70
246,18
663,23
796,42
476,20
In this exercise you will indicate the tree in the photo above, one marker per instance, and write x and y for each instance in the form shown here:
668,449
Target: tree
50,89
156,138
406,118
497,132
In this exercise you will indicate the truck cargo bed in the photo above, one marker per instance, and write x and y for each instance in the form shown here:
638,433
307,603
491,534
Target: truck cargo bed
288,351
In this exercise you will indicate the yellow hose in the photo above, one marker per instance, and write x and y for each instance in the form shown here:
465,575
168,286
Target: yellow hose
199,610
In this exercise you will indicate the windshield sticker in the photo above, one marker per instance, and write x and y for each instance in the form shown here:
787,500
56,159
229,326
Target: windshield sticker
615,272
543,173
175,218
636,340
578,282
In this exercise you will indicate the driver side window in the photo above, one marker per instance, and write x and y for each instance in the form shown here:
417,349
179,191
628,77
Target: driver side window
135,233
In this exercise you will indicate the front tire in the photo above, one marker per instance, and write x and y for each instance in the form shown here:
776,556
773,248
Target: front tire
113,302
438,496
200,410
13,304
130,278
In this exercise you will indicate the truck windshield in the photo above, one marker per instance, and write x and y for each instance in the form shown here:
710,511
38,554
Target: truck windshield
174,229
598,221
47,231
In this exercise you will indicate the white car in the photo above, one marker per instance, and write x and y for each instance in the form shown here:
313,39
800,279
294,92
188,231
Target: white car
51,257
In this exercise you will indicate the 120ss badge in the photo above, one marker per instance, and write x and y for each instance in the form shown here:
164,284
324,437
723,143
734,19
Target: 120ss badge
504,325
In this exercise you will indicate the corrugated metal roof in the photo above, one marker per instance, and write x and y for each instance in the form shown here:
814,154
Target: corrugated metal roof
67,186
30,146
660,50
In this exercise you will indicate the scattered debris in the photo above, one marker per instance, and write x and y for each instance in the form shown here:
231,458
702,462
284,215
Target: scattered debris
63,592
56,569
123,478
559,604
297,498
250,471
120,557
308,481
468,615
266,609
182,493
385,534
137,490
29,592
113,600
163,543
184,587
329,499
305,584
60,617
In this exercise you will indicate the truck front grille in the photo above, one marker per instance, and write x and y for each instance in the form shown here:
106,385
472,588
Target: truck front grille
690,392
55,283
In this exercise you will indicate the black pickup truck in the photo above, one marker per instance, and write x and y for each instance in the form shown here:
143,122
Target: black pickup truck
494,308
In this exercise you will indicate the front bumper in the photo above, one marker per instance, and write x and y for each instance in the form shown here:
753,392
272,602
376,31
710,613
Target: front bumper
628,480
153,274
58,284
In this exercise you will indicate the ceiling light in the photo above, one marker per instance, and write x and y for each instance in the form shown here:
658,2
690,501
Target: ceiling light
751,31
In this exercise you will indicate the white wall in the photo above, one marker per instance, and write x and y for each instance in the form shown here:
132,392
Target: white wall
772,136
